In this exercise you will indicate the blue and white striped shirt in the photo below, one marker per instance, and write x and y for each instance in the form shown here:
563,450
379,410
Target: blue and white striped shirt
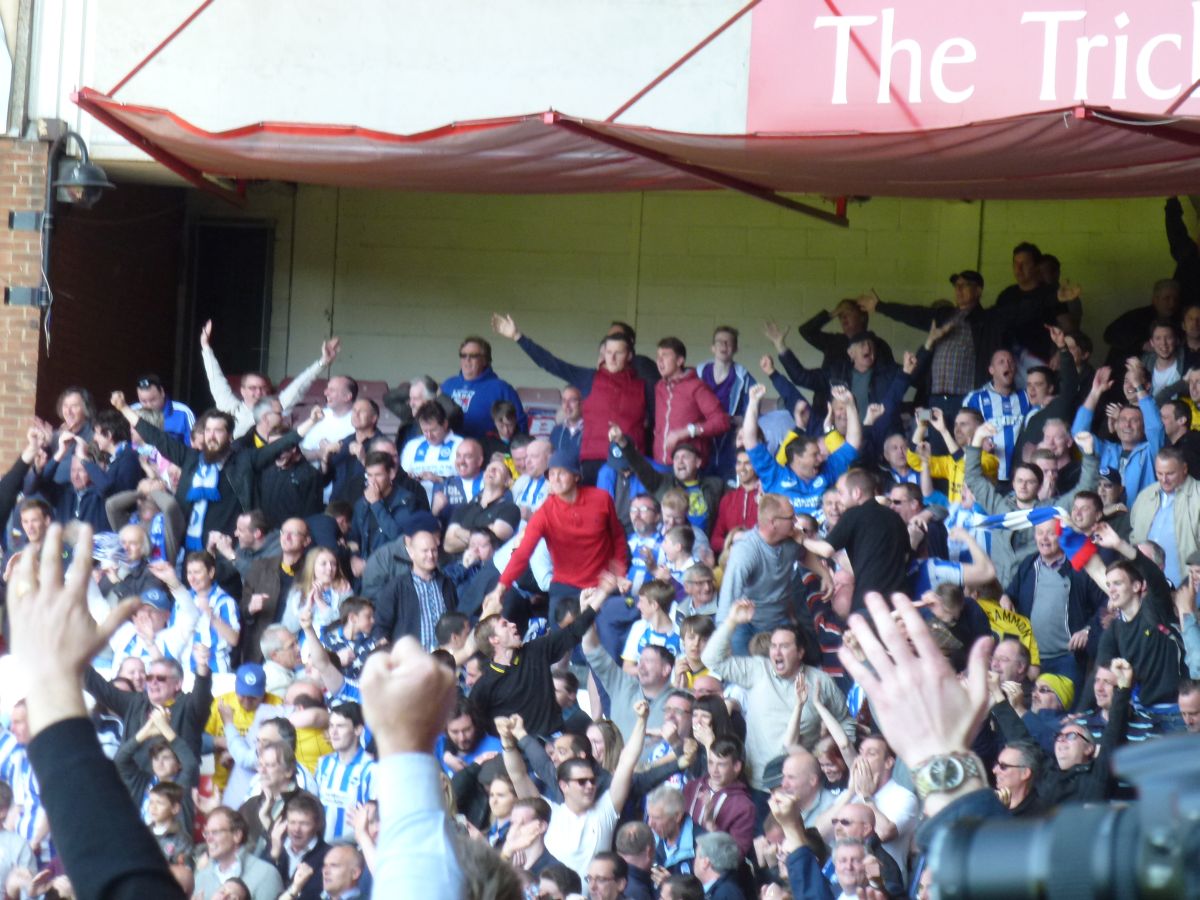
344,787
225,608
1008,414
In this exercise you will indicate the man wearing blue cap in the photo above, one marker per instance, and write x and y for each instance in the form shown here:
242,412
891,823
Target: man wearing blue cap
233,715
151,634
412,602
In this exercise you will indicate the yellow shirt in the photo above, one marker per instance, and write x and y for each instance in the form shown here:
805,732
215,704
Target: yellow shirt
953,470
242,720
311,745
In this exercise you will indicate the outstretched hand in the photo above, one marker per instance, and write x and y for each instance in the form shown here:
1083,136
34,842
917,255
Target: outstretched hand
922,709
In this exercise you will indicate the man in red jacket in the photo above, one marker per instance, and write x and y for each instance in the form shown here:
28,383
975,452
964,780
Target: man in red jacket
685,408
582,533
739,507
721,801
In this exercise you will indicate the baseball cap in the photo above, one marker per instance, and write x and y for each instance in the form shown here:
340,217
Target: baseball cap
967,275
158,598
1193,559
563,460
251,681
1111,474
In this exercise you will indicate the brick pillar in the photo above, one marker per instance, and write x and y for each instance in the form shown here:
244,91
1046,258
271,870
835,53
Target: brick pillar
22,187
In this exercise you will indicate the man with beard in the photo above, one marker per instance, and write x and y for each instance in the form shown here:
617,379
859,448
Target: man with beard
216,484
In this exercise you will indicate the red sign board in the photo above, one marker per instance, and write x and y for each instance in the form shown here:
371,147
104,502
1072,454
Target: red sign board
870,65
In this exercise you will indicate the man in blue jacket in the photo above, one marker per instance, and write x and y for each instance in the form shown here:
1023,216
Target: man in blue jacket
477,387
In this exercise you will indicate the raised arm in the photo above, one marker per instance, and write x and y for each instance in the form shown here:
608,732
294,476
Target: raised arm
579,376
622,778
514,762
299,385
646,473
218,385
718,652
854,430
750,422
980,571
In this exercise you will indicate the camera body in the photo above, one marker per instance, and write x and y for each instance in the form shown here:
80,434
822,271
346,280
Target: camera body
1147,848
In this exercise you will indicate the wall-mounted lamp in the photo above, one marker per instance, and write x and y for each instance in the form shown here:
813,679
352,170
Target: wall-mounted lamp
78,182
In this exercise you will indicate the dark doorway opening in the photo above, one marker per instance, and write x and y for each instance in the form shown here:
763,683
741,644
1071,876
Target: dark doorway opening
230,268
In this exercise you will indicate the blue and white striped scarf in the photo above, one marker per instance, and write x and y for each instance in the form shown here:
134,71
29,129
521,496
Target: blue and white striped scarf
203,489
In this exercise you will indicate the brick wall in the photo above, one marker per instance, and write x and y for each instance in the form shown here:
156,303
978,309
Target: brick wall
22,186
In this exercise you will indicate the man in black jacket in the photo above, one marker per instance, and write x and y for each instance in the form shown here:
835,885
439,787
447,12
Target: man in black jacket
301,842
1080,771
217,484
517,678
413,600
164,682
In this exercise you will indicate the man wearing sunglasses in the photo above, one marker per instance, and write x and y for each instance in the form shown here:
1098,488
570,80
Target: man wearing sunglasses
178,420
1079,771
856,821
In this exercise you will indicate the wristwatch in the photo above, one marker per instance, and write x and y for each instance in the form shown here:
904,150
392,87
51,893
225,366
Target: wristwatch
946,772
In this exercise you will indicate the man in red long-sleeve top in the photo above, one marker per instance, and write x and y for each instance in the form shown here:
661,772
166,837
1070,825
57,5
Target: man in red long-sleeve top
739,507
582,533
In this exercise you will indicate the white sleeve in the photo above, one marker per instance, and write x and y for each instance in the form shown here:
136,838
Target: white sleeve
299,385
218,385
176,638
415,856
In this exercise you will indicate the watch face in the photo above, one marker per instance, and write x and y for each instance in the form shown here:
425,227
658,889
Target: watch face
946,773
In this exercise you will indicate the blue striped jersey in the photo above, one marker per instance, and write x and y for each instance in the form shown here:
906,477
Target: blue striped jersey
926,574
344,787
1008,414
220,653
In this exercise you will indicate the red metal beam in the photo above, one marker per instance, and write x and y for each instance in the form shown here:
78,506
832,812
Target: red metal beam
667,72
712,176
1149,128
175,164
161,45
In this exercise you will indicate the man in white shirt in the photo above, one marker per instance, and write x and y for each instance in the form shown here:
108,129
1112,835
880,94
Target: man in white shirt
255,385
337,423
583,824
896,808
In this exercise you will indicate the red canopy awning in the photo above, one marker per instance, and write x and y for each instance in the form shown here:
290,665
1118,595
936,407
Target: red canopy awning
1076,152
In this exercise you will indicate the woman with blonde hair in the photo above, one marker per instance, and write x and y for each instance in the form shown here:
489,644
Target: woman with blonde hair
607,743
322,587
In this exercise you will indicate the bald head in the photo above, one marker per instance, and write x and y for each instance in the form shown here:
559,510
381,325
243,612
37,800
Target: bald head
707,686
537,458
802,777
